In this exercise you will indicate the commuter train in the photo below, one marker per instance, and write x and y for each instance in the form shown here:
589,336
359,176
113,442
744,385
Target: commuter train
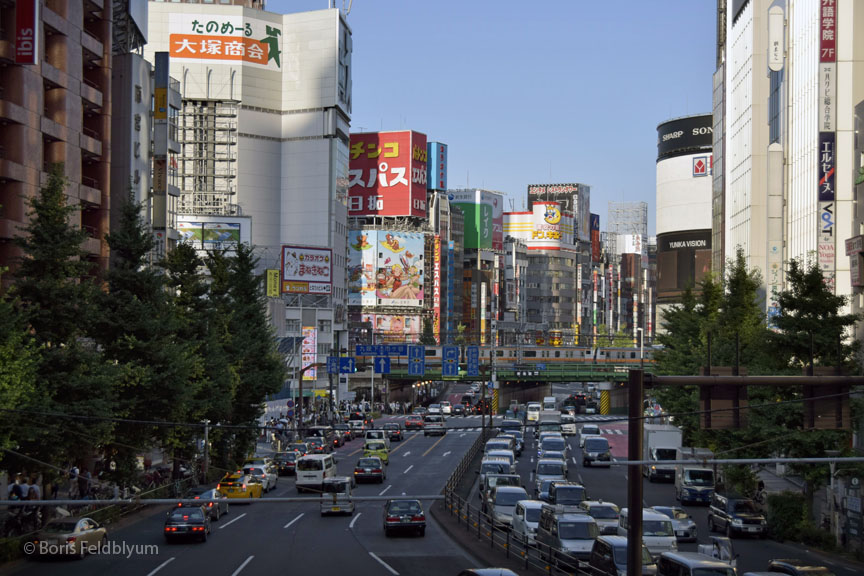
526,354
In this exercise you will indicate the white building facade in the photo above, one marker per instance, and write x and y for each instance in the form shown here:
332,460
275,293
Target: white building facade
264,132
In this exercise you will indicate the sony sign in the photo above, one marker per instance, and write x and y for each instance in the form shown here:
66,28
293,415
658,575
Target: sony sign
685,136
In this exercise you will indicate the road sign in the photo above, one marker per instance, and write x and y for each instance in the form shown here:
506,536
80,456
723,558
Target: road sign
397,350
290,403
416,360
490,386
382,365
472,356
346,365
289,414
366,350
540,365
332,365
450,361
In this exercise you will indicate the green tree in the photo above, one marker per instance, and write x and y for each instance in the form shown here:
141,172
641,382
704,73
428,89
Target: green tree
428,336
138,330
58,300
681,339
808,308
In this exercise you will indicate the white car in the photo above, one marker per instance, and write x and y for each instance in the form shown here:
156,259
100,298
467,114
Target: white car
446,408
475,387
435,409
267,474
583,437
568,424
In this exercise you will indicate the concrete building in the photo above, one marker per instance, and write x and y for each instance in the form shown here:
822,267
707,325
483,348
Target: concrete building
683,207
264,136
55,108
791,75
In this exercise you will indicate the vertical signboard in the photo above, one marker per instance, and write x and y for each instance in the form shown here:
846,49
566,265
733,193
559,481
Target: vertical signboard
451,289
309,352
387,174
399,276
273,284
827,154
26,27
437,166
436,289
595,238
484,217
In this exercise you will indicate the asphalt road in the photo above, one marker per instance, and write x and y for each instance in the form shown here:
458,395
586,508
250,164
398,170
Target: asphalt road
610,484
278,538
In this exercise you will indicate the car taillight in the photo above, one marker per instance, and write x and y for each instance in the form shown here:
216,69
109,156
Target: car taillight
170,529
418,518
219,486
70,539
210,504
197,528
393,519
244,487
377,471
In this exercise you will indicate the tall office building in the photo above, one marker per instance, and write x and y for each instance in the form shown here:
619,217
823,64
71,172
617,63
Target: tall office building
264,145
55,108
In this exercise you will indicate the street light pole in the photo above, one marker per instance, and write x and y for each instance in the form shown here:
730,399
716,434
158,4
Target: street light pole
206,463
641,348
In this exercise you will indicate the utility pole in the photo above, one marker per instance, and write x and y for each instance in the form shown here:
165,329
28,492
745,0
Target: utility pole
634,475
206,463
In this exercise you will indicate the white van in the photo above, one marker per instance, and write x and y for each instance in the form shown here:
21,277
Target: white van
526,518
312,469
549,403
658,534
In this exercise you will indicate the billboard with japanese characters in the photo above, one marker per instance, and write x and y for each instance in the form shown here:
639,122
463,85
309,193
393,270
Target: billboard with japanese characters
399,275
387,174
362,267
306,270
484,217
309,353
226,38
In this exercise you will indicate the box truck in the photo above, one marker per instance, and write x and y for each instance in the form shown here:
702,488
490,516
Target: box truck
660,443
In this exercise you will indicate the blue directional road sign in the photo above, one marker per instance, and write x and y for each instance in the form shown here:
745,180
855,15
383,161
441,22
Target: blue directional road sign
332,365
450,361
397,350
472,355
346,365
382,365
367,350
416,360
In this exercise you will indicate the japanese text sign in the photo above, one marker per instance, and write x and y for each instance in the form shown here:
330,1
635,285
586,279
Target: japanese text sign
827,30
227,38
387,174
306,270
826,166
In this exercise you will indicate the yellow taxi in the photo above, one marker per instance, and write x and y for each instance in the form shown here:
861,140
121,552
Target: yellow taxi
240,485
376,448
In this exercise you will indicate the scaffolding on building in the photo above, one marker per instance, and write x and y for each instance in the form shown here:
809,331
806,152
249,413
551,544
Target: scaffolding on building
625,218
208,160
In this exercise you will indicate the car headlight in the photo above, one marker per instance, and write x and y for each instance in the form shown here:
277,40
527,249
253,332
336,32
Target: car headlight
763,522
674,545
737,522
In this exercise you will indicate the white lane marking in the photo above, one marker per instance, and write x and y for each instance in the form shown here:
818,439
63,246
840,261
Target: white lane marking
462,434
385,490
243,565
232,521
351,525
407,469
532,459
406,454
293,521
387,566
446,453
162,565
574,460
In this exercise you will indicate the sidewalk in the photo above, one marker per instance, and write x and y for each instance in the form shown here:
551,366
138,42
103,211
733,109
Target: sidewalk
775,483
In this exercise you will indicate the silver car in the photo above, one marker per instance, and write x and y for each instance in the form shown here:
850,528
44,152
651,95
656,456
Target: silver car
337,496
682,523
501,502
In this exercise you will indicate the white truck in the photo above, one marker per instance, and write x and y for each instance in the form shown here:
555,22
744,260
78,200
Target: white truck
548,421
660,443
694,482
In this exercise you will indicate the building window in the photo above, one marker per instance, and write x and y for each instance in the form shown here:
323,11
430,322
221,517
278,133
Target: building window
324,326
776,82
292,325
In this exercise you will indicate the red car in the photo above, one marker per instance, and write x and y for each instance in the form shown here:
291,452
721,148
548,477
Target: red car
414,422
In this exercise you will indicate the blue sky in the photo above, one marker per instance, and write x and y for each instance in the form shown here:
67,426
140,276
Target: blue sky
547,91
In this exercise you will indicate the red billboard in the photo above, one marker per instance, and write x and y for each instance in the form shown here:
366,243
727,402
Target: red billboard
26,26
387,174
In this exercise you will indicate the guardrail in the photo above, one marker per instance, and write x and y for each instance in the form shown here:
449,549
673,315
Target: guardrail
533,555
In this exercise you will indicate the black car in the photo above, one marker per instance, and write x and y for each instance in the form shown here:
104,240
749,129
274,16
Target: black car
187,522
404,516
345,430
736,516
215,510
457,410
370,468
394,431
795,567
286,463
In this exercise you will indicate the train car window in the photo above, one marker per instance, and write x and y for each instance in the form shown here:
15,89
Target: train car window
499,353
557,353
529,353
433,352
632,355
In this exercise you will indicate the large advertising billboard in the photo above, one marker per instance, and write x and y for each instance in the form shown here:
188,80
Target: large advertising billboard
399,276
484,217
436,289
306,270
595,238
226,39
387,174
362,267
685,136
573,198
437,173
393,328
